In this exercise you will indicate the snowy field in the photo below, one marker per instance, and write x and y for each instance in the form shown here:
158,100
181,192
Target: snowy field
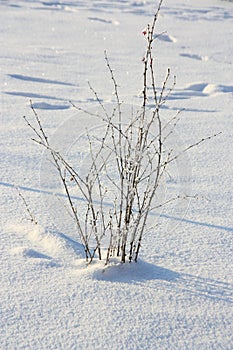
180,293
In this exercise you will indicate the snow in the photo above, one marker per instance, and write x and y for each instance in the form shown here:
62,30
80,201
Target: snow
180,293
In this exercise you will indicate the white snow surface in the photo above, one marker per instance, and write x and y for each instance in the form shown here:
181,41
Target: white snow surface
179,295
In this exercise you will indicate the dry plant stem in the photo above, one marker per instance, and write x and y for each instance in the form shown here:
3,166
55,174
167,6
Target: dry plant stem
193,145
101,194
143,132
43,140
129,173
120,163
32,217
148,59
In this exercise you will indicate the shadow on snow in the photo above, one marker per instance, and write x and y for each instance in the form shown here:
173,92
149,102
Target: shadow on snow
141,272
171,217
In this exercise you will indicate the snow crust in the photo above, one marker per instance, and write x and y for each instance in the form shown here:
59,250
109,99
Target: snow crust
179,295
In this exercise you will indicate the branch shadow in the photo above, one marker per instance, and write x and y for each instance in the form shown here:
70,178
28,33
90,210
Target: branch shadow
152,213
206,288
142,272
39,80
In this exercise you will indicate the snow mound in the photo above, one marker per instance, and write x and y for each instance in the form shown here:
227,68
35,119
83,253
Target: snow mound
34,256
167,38
199,87
50,242
195,57
29,253
209,89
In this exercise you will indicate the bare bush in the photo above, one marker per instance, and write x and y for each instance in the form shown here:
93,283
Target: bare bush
126,165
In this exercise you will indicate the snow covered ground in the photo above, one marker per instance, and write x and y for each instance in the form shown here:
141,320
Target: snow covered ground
179,295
